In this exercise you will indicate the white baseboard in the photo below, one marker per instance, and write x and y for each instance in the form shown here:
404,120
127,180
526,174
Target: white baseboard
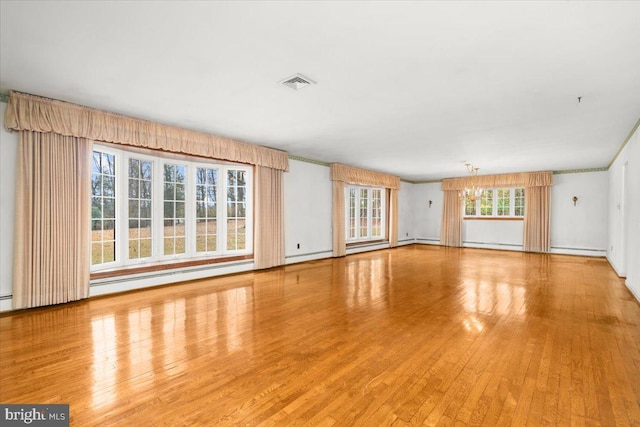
367,248
404,242
578,251
294,259
146,280
499,246
427,241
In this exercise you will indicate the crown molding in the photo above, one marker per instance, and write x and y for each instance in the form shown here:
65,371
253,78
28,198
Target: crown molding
562,172
304,159
427,181
633,130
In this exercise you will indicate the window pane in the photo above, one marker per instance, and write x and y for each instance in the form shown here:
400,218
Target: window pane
469,207
134,168
108,164
145,172
145,248
109,186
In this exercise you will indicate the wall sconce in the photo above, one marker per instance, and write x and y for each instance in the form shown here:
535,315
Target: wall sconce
430,202
575,200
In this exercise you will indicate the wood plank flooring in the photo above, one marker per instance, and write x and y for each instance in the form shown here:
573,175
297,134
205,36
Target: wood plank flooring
410,336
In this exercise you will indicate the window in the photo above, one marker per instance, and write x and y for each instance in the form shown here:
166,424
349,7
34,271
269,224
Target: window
486,203
148,208
174,184
497,202
103,208
503,202
519,202
140,239
365,213
236,209
206,209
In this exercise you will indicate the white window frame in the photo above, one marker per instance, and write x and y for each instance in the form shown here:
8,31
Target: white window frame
383,225
494,214
157,222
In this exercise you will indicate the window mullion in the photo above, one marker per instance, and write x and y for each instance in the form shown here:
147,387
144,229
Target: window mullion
157,215
189,217
357,214
369,213
222,212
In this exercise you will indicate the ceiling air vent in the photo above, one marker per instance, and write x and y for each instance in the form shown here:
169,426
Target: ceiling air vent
297,82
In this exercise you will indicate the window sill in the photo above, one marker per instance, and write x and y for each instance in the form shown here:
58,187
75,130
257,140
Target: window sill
165,266
494,218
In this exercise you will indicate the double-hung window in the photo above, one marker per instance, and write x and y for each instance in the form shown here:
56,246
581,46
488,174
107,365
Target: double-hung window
365,213
496,203
148,207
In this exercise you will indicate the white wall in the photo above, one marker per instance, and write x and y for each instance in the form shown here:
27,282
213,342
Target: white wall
426,220
405,214
8,160
579,229
307,212
623,250
492,234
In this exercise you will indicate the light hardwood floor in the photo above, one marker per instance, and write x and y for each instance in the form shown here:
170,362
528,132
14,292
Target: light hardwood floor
415,335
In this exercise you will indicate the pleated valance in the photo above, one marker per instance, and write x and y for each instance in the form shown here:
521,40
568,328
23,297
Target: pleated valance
351,175
524,179
37,114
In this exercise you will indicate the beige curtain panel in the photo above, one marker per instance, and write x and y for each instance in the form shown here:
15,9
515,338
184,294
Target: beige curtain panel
525,179
451,229
351,175
269,227
339,239
537,219
393,218
33,113
53,207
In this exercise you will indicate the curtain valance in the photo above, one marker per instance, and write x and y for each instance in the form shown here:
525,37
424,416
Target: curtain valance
37,114
524,179
351,175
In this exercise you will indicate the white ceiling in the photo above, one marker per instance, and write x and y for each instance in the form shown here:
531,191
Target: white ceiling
408,88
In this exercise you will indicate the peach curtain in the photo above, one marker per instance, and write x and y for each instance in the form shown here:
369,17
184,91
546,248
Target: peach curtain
451,229
269,227
52,242
341,174
393,218
339,239
352,175
29,112
524,179
537,219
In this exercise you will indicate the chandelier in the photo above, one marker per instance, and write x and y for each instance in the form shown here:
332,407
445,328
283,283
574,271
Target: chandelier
471,193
